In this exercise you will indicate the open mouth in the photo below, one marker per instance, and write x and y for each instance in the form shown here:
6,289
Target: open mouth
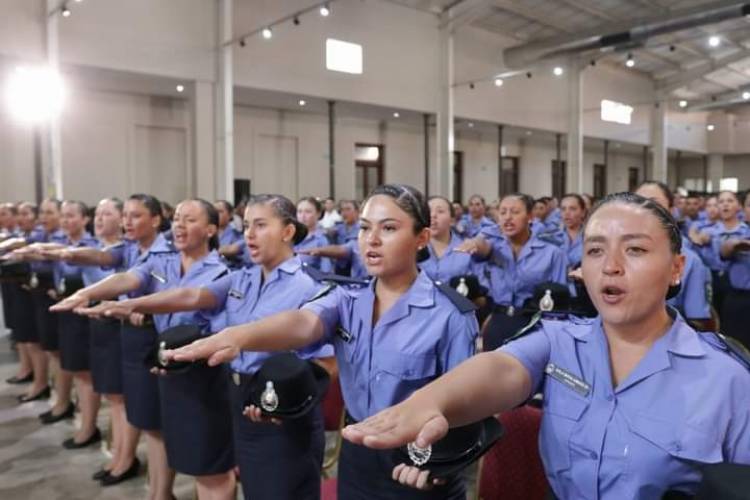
612,294
373,258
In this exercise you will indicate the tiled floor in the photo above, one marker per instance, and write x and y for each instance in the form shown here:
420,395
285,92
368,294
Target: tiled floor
33,465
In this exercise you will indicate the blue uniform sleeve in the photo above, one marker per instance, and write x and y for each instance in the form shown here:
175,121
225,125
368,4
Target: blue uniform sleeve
327,309
559,267
220,289
463,330
737,440
533,351
143,273
118,256
695,300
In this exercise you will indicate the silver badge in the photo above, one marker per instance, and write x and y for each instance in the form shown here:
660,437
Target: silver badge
61,287
419,456
160,354
462,287
236,378
33,281
546,304
510,311
269,400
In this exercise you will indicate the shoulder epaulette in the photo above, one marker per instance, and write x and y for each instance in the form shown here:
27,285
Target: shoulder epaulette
221,274
728,345
322,292
530,327
337,279
462,303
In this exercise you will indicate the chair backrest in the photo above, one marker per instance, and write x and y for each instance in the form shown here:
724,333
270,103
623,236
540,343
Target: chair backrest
333,405
512,469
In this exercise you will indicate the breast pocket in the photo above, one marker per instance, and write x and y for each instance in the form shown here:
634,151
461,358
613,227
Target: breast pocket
671,439
398,375
563,410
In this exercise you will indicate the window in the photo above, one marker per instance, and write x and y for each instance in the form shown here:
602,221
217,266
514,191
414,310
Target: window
368,168
616,112
508,175
558,178
600,180
345,57
633,178
729,184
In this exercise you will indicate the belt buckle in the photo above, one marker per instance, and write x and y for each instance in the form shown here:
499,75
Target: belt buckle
510,311
236,378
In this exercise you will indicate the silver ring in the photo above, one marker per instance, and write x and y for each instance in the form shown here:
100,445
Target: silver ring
419,456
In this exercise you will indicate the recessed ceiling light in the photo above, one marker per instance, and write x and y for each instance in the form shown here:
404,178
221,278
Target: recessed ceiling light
746,95
302,102
714,41
180,88
558,71
683,104
267,33
396,114
710,127
498,82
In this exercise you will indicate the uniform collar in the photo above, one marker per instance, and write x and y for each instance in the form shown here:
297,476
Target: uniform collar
420,294
289,266
86,240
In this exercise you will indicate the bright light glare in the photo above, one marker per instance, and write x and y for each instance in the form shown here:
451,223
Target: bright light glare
616,112
498,82
325,11
345,57
714,41
683,104
35,94
558,71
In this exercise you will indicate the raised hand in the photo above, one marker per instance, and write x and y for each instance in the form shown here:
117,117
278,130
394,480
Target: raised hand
217,349
75,301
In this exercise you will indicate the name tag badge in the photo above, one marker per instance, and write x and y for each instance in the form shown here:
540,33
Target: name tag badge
568,379
236,294
345,336
158,277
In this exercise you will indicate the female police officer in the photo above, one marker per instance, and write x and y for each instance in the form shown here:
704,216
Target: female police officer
635,400
275,462
391,338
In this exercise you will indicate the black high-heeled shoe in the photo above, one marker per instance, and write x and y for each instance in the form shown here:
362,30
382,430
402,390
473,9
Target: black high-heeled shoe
43,394
110,479
20,380
70,443
98,475
51,418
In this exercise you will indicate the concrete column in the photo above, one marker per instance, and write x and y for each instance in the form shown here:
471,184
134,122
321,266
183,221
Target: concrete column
225,104
715,171
445,137
52,137
574,151
203,143
659,142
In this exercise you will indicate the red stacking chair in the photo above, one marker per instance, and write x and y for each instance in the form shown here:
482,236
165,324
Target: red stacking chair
333,420
512,469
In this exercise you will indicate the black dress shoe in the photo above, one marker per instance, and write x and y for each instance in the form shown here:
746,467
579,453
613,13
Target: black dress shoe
43,394
52,418
70,444
110,479
20,380
98,475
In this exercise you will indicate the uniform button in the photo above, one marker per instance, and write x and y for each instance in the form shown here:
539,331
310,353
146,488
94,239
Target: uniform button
593,455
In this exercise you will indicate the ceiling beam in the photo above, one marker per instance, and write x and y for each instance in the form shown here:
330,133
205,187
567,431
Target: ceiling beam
463,12
672,83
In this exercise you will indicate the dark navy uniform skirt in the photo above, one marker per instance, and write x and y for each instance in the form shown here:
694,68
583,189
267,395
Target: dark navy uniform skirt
105,356
46,321
734,315
23,315
140,387
74,334
501,327
277,462
366,474
197,420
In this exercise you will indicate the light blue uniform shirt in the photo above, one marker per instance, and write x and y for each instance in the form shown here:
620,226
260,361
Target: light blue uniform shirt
422,336
230,236
694,299
243,297
472,228
705,252
68,271
686,402
512,281
94,274
39,235
573,249
346,233
720,235
738,266
358,269
451,264
127,254
315,239
163,272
